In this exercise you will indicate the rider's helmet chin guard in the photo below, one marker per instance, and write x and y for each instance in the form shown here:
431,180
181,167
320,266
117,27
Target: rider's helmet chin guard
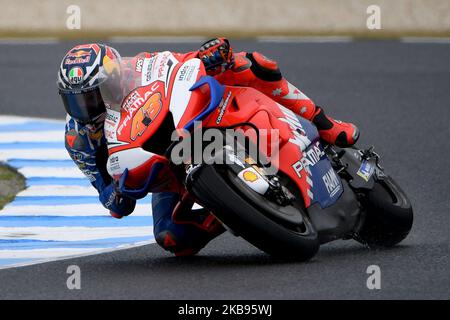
83,69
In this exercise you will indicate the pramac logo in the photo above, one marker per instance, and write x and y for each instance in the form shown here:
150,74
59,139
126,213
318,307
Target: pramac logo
145,115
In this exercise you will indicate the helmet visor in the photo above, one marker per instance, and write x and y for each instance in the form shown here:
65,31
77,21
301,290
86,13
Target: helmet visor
83,106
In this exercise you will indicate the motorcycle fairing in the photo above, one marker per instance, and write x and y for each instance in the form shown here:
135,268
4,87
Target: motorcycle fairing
326,186
299,140
169,86
141,113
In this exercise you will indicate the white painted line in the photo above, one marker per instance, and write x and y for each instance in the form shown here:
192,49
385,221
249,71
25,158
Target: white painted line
42,253
174,39
21,120
49,172
70,201
29,41
306,39
68,210
62,254
13,120
34,154
426,40
39,191
73,233
24,136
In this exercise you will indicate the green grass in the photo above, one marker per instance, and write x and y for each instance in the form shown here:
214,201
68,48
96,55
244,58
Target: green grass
11,182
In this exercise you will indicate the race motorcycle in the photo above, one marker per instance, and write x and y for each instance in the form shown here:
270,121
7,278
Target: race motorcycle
312,193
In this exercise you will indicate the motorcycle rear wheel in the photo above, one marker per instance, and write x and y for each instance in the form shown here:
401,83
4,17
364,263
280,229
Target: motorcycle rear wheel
388,215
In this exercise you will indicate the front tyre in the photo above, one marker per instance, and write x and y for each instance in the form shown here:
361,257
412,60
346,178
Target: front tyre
252,216
388,215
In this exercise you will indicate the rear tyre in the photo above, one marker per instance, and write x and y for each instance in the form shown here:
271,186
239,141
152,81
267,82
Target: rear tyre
251,216
389,215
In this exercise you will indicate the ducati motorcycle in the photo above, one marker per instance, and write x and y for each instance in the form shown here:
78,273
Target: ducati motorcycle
286,201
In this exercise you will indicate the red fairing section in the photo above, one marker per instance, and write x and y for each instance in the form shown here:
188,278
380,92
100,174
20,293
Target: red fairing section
249,105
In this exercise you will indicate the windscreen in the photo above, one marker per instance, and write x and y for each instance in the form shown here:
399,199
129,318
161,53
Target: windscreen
117,79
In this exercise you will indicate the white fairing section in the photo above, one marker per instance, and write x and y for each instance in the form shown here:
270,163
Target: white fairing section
252,178
111,124
185,79
300,138
127,159
158,68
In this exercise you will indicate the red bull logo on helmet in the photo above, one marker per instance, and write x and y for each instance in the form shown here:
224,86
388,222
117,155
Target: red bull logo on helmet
79,53
78,57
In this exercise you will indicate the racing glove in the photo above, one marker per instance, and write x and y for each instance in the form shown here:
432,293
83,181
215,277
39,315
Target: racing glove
118,205
217,55
86,146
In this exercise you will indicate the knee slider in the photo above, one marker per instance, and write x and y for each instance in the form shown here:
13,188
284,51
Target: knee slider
263,67
168,242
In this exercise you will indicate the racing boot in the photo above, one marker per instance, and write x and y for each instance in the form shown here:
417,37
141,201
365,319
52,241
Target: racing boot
335,132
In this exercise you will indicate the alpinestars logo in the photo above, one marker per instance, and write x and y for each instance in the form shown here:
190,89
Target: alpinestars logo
222,108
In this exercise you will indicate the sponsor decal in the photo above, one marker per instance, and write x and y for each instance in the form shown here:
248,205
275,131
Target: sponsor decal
186,73
146,115
76,75
134,102
222,108
332,182
366,170
300,139
111,199
79,54
139,65
131,104
310,158
250,176
89,174
112,121
111,118
114,163
149,69
160,67
162,64
109,134
78,57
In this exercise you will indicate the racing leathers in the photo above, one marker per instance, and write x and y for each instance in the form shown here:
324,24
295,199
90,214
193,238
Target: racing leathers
178,228
87,147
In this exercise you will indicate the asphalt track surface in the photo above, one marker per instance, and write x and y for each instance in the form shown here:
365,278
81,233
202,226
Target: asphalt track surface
398,94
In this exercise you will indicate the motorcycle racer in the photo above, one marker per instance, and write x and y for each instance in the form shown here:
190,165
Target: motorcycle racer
257,71
177,228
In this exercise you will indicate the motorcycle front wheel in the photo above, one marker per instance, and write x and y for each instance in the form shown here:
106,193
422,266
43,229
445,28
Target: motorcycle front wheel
253,217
